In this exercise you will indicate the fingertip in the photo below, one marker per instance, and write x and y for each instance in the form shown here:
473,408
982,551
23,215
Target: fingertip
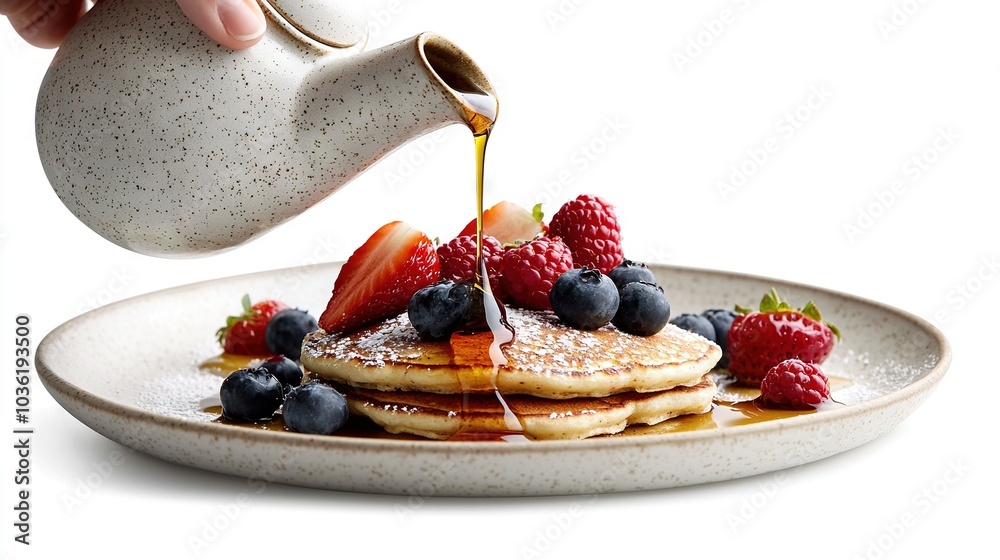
237,44
243,20
47,28
236,24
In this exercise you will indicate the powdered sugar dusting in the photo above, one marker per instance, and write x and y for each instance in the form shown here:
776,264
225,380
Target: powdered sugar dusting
393,339
542,345
181,394
543,339
872,378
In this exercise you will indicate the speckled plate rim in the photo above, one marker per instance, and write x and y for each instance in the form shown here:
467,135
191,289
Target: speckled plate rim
67,393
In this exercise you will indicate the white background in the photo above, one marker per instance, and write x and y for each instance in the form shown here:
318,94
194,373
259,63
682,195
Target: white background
889,94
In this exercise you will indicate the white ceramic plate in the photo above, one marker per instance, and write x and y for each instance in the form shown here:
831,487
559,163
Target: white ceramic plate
130,372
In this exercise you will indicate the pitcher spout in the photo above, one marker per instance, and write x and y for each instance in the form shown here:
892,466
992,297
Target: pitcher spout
463,82
351,112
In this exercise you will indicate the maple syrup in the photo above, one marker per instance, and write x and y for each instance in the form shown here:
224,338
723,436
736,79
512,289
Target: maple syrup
226,363
481,120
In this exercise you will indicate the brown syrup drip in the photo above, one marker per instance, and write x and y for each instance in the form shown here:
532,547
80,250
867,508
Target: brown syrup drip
480,120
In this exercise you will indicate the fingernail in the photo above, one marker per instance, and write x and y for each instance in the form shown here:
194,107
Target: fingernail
241,20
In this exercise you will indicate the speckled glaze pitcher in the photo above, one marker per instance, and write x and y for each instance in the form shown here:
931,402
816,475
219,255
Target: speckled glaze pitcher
168,144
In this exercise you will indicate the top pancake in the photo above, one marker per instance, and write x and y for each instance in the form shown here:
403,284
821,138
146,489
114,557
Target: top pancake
547,359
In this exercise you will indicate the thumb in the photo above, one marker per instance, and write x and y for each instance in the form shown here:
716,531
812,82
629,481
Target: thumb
236,24
43,24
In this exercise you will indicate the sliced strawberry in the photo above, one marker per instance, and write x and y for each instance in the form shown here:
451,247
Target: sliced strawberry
380,277
509,223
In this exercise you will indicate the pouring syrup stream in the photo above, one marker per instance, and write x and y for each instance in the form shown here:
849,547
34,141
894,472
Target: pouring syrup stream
481,120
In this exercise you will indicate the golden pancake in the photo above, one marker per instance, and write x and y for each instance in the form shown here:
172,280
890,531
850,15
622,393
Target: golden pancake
440,416
547,359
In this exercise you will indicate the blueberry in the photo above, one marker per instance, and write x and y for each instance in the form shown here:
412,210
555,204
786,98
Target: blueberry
250,394
440,309
315,408
644,309
698,324
286,330
630,271
584,298
476,320
722,320
288,373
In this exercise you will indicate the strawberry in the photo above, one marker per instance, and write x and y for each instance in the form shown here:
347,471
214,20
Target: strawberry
589,226
759,340
244,333
509,223
378,280
529,270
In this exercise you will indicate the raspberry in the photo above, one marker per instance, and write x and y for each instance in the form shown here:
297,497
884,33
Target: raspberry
589,226
458,259
794,383
529,270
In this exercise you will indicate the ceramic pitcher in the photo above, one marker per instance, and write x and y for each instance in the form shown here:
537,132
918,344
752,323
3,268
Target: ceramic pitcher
168,144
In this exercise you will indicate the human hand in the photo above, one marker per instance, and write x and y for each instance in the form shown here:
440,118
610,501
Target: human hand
236,24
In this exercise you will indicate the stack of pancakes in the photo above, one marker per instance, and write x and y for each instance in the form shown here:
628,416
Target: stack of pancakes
559,382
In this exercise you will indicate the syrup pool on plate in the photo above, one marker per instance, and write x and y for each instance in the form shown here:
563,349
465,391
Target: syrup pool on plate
225,363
